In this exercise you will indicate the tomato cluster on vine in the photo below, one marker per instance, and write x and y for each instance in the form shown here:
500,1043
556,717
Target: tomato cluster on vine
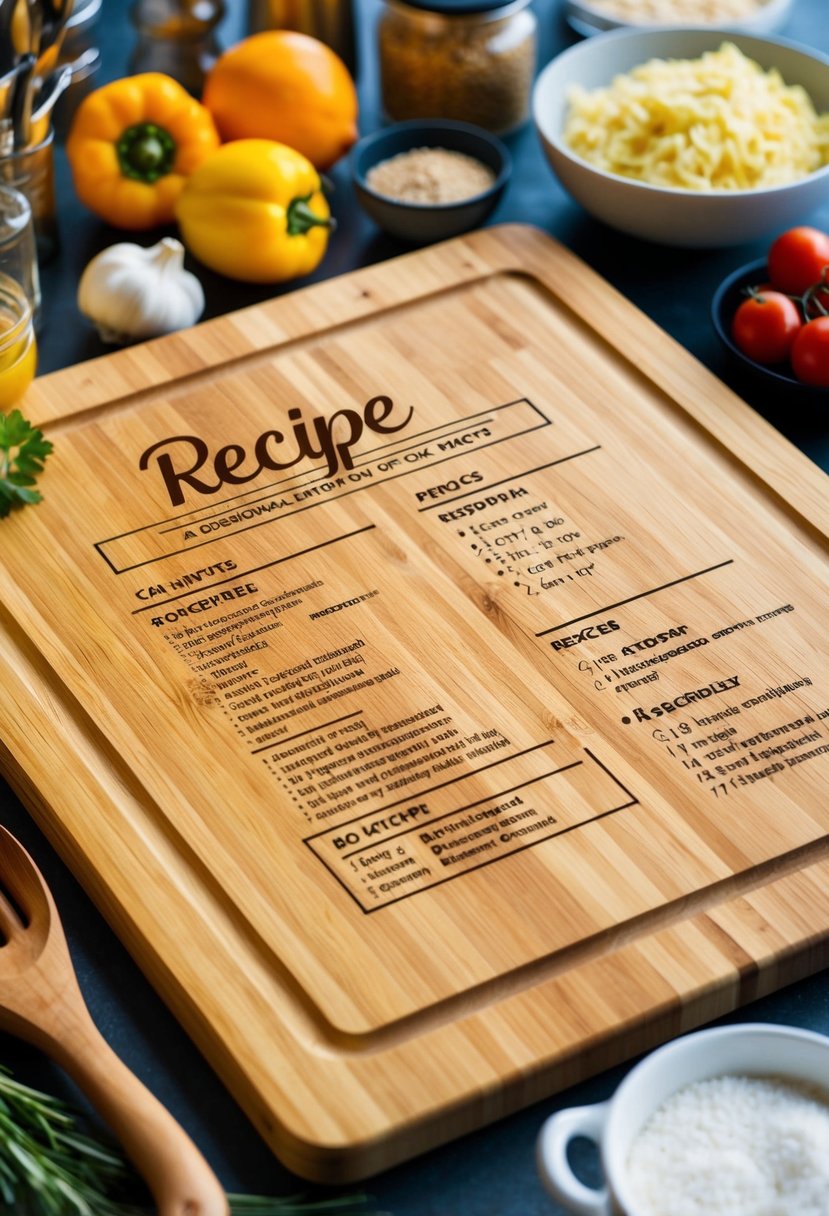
787,318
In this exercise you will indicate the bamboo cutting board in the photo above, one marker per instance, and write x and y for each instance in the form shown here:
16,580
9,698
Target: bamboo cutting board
426,672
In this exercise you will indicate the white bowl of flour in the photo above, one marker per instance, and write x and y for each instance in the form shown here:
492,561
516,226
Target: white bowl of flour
731,1121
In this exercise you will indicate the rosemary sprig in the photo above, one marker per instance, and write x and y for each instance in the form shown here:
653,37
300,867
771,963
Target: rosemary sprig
296,1205
49,1168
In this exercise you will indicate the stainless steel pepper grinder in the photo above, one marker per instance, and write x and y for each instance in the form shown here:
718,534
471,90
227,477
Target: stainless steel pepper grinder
331,21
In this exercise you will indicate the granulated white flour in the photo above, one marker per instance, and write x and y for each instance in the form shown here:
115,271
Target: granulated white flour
734,1146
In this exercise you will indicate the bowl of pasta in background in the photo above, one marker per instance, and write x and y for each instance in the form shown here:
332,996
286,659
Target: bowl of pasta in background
750,16
701,215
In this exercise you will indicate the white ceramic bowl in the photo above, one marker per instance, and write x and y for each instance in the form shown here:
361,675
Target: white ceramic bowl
668,215
420,223
753,1049
587,19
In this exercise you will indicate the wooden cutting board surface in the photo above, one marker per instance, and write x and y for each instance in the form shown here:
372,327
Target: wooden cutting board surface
426,672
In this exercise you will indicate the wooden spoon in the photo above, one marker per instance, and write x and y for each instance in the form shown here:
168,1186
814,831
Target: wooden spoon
40,1001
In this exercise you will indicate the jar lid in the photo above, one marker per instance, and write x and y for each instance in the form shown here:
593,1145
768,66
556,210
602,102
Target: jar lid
464,7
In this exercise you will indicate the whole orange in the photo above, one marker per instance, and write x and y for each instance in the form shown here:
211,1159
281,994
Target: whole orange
288,87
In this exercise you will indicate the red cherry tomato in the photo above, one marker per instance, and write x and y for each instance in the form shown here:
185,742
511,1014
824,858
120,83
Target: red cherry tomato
797,258
810,353
765,325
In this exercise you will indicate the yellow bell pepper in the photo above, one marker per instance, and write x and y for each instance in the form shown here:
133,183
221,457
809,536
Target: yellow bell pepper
132,145
255,211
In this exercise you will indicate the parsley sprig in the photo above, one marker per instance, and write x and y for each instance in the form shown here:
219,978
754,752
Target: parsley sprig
49,1168
22,453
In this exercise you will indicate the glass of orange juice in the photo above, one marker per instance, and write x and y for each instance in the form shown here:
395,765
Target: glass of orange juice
18,348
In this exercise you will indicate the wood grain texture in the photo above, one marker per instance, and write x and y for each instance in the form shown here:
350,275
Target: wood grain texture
472,744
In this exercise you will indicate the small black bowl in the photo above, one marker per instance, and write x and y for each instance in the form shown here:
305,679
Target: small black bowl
421,223
776,377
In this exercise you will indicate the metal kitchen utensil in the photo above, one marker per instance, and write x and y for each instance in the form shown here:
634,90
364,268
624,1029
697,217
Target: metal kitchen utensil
23,90
40,1001
34,13
55,14
56,83
8,84
15,32
83,68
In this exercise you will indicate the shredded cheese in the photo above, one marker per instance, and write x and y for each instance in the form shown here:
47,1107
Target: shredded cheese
719,122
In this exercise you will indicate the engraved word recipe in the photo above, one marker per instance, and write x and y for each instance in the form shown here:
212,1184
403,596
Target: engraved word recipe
299,445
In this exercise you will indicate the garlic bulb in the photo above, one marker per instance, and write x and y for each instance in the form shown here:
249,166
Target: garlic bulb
131,293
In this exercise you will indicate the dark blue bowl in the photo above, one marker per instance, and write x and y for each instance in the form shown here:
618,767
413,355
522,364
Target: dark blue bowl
777,377
421,223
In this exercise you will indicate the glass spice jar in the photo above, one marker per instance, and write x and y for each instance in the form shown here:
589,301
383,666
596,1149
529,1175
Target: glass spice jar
178,38
330,21
470,60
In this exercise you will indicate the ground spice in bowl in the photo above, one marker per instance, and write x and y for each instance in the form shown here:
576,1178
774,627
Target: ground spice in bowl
430,176
429,181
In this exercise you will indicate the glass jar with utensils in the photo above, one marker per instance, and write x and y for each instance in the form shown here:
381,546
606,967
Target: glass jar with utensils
18,257
31,82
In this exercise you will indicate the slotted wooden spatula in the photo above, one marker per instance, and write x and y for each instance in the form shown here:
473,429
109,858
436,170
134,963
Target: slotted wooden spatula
40,1001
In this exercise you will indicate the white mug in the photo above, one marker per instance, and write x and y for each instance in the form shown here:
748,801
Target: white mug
749,1049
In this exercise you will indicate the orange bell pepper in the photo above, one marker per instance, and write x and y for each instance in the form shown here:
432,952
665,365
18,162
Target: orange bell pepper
132,145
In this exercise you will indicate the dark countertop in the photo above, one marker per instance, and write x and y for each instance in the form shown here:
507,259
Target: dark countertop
492,1172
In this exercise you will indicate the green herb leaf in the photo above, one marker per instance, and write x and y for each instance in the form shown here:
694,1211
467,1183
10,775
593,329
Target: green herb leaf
298,1205
23,451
